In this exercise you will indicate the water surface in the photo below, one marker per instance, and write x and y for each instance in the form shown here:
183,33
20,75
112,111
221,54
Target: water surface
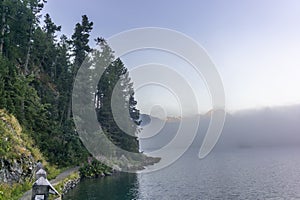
262,173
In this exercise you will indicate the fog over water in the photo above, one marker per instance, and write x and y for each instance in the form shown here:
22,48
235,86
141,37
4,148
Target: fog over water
268,127
255,158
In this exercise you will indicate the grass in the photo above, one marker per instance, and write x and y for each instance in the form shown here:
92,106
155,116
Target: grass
15,191
60,186
16,144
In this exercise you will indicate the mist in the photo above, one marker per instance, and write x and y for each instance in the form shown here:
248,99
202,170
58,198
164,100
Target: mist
263,128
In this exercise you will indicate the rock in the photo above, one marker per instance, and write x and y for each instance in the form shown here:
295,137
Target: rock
69,185
18,162
16,170
116,168
107,173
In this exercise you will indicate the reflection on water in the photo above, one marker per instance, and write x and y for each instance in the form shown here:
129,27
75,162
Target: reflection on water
242,174
119,186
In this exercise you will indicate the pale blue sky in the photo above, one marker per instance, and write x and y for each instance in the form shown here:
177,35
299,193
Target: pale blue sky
255,44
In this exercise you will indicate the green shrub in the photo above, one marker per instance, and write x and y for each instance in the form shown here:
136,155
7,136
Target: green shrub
13,192
94,169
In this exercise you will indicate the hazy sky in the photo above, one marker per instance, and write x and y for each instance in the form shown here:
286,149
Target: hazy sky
255,44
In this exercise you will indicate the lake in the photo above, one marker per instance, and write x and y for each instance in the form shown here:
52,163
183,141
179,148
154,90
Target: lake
246,173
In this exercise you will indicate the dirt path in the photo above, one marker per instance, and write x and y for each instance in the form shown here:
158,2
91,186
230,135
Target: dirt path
60,177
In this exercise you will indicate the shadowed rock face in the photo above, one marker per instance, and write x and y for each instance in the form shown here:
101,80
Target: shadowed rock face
16,170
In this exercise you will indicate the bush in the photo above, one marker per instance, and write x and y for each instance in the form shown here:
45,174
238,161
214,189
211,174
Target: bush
13,192
94,170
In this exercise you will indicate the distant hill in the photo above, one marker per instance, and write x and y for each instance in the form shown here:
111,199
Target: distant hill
268,127
145,119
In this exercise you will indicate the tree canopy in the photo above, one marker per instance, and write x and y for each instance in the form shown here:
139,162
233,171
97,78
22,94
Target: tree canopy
37,71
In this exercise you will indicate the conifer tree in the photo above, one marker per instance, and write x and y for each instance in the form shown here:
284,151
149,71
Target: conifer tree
116,79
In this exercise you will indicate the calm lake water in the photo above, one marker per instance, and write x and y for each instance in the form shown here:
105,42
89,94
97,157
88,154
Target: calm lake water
237,174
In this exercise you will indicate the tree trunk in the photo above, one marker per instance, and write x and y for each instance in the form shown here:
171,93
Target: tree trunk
28,52
69,113
2,28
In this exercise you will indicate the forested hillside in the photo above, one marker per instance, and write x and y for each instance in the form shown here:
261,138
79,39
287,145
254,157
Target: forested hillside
37,72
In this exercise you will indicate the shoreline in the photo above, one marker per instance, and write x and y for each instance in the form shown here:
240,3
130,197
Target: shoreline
69,179
72,183
54,182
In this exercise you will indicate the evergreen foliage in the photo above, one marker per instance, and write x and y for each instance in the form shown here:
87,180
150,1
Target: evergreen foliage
115,79
37,71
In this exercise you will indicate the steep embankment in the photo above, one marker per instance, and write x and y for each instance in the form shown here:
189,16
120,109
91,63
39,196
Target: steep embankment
17,157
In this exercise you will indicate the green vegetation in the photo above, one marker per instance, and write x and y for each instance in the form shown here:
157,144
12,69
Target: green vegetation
94,169
36,80
12,144
37,72
15,191
17,147
72,177
116,79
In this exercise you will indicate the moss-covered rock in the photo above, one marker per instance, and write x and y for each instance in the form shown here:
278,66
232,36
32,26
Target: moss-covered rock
17,154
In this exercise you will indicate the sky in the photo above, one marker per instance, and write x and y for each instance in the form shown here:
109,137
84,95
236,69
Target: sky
254,44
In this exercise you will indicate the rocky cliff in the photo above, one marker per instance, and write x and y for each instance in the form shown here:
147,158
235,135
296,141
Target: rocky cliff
17,154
